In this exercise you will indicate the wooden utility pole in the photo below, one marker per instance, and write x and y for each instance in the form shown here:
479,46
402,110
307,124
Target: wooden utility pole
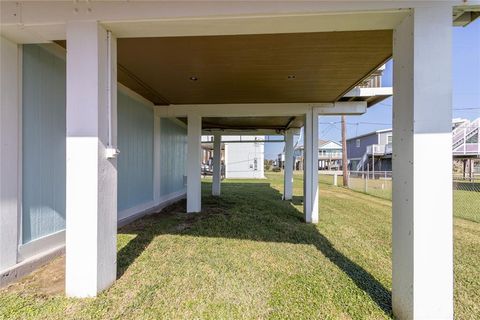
344,152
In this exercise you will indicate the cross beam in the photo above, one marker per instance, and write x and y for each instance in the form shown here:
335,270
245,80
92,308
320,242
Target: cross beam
248,132
262,109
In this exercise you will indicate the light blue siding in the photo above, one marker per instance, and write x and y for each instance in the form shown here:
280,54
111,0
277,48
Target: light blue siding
173,153
44,147
135,162
43,134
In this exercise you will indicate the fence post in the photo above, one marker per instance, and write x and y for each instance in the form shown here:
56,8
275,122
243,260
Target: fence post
366,183
335,179
470,169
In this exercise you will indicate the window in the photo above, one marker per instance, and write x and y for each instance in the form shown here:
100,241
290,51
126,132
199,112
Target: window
389,139
473,139
357,143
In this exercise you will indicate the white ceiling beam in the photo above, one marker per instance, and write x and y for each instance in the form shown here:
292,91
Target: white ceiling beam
239,110
261,109
248,141
248,132
49,12
344,108
269,24
34,31
369,92
44,21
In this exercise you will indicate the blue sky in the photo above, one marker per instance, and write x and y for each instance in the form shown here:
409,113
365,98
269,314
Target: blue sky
466,93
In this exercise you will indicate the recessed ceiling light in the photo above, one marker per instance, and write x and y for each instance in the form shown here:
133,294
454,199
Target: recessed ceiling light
291,77
193,78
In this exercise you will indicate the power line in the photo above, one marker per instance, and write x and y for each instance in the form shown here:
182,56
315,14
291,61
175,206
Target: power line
372,123
385,104
454,108
327,129
357,123
473,108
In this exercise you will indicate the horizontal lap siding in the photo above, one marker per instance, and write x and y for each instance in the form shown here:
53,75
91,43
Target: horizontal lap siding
135,161
44,144
354,152
44,147
173,152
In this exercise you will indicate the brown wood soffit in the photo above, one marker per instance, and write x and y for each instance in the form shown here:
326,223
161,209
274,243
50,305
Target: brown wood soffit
266,68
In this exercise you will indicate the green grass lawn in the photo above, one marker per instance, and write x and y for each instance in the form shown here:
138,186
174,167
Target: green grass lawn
249,255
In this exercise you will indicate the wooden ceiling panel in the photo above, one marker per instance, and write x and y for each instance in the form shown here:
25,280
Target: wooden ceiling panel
251,68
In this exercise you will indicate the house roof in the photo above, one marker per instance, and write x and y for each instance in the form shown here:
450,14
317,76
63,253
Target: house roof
321,143
370,133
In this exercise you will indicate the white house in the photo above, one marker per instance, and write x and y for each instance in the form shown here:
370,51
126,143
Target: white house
82,80
329,155
242,156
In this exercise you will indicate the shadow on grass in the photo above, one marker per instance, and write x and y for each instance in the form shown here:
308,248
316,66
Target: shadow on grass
252,211
297,200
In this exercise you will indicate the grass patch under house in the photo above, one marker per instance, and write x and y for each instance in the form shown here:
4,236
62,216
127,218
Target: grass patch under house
249,255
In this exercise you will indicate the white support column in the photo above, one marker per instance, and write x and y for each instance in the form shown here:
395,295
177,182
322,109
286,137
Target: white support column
10,148
225,159
194,156
310,172
217,164
422,259
288,172
91,230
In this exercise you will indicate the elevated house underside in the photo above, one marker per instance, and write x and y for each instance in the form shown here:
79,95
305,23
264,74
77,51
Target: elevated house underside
153,77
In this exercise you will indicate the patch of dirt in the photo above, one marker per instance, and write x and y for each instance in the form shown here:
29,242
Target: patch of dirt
49,280
175,209
182,227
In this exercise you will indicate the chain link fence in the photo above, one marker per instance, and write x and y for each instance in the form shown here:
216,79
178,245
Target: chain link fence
466,189
466,196
376,183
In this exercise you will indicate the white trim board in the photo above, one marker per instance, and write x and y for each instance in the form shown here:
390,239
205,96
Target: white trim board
29,265
10,150
157,146
20,151
45,243
139,211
